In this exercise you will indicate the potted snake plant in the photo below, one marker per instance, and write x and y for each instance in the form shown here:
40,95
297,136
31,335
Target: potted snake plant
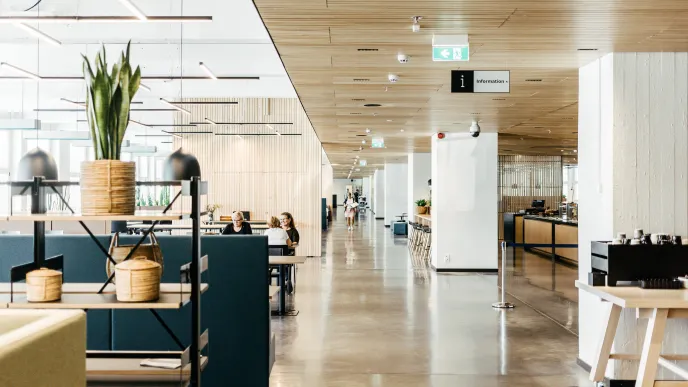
108,185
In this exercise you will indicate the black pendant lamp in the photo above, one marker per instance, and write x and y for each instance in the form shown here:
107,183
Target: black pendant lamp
181,166
37,162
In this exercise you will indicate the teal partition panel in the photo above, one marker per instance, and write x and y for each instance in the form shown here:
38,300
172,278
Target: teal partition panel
83,262
234,309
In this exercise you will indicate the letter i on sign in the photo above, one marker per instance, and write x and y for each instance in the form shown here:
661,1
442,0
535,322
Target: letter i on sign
462,85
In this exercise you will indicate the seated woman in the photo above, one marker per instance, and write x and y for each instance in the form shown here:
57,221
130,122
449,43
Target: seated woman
276,236
238,226
287,222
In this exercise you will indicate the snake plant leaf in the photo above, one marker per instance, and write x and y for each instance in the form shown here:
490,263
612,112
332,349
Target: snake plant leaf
115,112
101,107
123,113
135,83
91,121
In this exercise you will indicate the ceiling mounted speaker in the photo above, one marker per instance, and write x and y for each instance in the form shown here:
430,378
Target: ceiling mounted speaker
181,166
37,162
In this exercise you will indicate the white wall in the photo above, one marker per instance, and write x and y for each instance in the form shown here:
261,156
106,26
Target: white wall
327,183
339,188
379,194
633,170
396,191
419,172
464,202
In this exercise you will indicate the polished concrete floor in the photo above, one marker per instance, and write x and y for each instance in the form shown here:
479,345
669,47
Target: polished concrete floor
370,314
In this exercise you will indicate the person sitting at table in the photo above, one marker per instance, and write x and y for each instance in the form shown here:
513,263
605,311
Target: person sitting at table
276,235
287,222
238,226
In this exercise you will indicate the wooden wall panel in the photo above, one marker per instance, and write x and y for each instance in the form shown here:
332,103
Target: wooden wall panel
262,174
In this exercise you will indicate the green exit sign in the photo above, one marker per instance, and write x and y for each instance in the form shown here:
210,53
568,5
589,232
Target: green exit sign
378,142
450,53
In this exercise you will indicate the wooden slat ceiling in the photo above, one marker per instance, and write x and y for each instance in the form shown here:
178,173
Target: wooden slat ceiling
319,42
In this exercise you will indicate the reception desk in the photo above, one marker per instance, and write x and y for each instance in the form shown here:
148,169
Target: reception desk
538,229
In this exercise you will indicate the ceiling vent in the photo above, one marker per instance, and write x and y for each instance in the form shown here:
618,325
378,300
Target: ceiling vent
533,80
587,49
358,99
372,105
361,79
368,49
499,99
354,113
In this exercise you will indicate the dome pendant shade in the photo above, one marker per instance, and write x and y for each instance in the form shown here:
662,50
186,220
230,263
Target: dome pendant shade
181,166
37,162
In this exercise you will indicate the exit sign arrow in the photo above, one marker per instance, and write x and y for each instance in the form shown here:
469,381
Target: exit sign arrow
457,53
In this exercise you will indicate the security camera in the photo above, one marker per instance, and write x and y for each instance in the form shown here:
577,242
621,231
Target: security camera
403,58
474,130
393,78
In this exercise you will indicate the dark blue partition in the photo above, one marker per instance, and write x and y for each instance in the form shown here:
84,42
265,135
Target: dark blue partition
234,309
83,262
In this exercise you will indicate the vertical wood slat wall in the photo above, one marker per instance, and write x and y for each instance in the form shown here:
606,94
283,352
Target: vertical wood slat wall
523,179
266,175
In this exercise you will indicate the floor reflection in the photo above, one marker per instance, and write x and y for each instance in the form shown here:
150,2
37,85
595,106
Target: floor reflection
371,314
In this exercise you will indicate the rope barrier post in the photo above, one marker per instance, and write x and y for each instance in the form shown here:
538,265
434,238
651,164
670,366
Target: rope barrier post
503,304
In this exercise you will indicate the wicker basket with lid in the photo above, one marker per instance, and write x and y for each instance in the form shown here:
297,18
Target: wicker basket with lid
43,285
138,280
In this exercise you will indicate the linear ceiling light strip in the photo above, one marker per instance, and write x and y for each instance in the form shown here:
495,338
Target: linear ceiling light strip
21,71
39,34
245,123
104,19
181,109
207,70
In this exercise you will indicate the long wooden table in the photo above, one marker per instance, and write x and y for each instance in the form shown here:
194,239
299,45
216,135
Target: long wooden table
282,261
657,305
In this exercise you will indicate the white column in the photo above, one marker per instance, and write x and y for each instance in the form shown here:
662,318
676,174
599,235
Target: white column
419,172
464,202
379,194
396,191
632,173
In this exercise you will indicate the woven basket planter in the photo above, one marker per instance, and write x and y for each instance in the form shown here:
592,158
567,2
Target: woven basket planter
108,187
43,285
138,280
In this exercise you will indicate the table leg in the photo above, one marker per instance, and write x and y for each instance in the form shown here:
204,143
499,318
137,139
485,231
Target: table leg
599,365
283,290
651,348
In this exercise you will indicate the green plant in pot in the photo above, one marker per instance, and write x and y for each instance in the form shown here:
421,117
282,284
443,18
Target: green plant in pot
421,206
108,185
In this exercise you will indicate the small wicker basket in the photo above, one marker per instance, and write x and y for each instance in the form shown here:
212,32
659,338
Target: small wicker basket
43,285
138,280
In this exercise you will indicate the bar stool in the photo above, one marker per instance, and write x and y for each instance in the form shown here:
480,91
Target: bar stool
412,233
427,241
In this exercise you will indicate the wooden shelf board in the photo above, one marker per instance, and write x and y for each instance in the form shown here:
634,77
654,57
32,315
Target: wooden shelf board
116,369
634,297
56,216
98,301
85,288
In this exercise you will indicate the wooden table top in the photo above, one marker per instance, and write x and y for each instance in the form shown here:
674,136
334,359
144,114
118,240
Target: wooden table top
634,297
427,218
286,260
78,287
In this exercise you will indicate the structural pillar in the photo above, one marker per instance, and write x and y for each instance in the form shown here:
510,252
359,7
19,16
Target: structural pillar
464,203
419,172
379,194
632,173
396,191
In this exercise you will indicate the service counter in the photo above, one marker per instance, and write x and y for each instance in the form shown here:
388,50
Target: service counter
539,229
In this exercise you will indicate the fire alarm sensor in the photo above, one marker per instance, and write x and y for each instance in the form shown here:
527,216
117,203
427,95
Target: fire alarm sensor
440,135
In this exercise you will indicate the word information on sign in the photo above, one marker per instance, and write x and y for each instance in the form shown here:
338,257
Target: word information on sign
468,81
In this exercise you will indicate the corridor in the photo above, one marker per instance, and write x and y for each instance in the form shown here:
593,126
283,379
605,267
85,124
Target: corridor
369,315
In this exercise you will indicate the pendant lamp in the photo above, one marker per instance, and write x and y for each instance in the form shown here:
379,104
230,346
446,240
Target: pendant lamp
181,166
37,162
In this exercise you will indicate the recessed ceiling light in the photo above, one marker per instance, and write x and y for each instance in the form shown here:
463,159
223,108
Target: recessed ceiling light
389,120
360,148
134,9
562,150
575,151
181,109
401,130
21,71
39,34
367,130
363,141
207,70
